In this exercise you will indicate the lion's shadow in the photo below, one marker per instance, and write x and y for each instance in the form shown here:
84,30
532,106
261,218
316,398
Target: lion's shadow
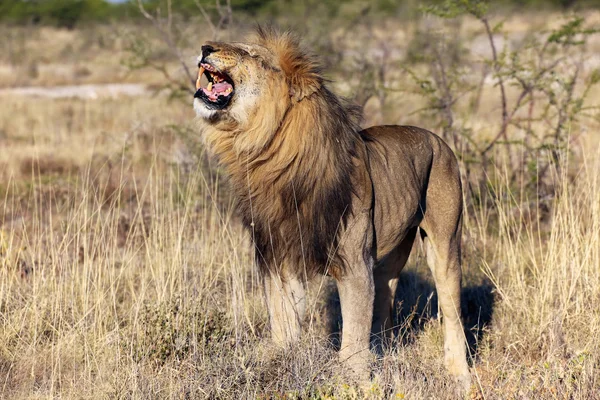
416,305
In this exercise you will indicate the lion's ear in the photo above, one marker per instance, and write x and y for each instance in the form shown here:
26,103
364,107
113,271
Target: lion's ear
302,75
302,72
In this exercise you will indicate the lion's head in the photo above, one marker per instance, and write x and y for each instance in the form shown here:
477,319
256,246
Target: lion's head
248,87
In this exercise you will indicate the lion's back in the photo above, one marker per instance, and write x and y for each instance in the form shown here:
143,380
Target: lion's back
401,162
406,147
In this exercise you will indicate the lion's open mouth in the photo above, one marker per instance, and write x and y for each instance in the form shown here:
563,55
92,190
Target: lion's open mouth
218,91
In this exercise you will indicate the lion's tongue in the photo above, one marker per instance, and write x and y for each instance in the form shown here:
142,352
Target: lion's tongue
221,87
218,89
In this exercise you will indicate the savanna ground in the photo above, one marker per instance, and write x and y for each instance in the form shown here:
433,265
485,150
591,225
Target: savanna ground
125,273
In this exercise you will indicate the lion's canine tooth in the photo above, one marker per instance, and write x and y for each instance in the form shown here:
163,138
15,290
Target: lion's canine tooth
200,72
209,87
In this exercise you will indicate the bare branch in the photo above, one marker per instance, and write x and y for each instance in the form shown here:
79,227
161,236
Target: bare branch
144,12
169,16
225,16
207,18
229,12
496,65
168,39
225,13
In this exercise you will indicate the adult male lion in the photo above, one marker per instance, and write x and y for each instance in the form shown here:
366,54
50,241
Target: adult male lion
321,196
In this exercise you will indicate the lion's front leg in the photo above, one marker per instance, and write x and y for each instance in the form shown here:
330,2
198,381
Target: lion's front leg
286,302
357,294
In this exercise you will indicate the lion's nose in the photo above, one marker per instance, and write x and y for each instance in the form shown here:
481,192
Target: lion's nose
207,49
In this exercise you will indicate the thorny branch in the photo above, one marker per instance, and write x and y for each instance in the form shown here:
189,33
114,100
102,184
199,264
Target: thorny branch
545,83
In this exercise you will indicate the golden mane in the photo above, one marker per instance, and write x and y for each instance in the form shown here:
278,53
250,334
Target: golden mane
291,168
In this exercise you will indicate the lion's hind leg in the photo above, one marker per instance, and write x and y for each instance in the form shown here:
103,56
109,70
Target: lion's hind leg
443,258
386,280
441,228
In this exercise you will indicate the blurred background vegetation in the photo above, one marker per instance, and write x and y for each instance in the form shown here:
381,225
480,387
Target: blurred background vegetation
69,13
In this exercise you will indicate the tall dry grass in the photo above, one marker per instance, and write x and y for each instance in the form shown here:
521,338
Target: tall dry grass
544,336
141,285
125,273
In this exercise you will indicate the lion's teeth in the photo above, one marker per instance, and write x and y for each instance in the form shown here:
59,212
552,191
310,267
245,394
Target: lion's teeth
200,72
209,87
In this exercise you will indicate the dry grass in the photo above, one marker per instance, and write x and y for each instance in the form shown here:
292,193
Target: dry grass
124,273
49,57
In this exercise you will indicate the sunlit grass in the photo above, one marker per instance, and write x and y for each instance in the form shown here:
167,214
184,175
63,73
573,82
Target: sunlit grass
125,273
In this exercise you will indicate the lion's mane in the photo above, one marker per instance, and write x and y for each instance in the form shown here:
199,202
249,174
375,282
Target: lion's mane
291,169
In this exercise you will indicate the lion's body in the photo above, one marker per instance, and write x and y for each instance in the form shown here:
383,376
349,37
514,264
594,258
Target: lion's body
406,164
319,196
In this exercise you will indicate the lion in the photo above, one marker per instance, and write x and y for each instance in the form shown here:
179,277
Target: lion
319,195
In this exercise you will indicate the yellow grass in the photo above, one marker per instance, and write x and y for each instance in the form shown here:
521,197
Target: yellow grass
125,273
